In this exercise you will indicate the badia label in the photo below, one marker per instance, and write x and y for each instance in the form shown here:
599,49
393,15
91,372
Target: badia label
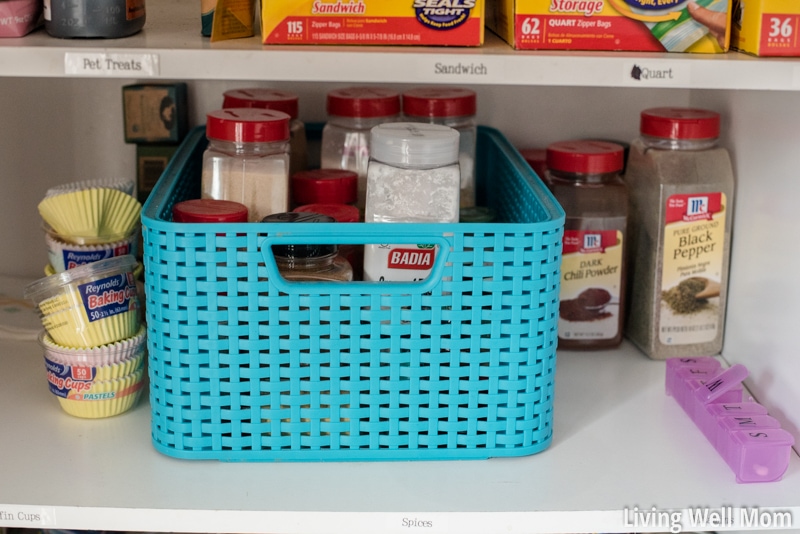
694,234
109,296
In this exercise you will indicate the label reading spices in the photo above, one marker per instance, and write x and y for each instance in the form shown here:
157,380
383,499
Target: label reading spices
109,296
591,281
694,234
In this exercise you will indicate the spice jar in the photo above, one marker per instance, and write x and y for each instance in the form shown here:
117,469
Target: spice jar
682,188
454,107
262,98
108,19
208,210
413,176
352,113
309,263
324,186
247,159
584,177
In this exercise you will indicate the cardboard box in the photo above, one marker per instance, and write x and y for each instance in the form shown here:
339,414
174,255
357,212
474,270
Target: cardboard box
151,160
155,113
370,22
629,25
766,27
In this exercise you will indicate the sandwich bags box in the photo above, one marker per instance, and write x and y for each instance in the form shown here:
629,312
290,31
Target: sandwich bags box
766,27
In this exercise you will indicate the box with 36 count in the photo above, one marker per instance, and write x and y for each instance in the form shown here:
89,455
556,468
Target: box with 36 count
766,27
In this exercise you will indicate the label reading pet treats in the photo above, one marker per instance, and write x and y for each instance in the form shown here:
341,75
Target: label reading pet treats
109,296
66,380
591,281
694,234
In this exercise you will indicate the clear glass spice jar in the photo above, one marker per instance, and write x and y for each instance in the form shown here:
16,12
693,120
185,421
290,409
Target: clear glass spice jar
324,186
352,113
585,178
413,176
682,188
454,107
247,159
289,103
309,263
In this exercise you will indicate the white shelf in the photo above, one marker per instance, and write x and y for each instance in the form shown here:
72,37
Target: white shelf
614,429
172,37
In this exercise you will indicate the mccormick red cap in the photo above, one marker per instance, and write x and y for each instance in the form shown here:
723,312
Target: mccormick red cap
363,102
439,102
679,123
246,125
209,210
536,158
262,98
325,186
339,212
585,157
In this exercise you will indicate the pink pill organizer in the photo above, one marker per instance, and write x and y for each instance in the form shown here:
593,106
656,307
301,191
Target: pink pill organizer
748,439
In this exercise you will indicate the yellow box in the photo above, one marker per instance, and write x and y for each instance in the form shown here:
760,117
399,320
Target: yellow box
699,26
370,22
766,27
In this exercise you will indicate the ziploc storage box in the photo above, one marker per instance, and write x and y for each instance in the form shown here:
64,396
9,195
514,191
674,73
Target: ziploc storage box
370,22
248,366
700,26
766,27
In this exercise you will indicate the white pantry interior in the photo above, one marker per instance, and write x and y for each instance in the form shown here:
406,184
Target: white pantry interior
619,442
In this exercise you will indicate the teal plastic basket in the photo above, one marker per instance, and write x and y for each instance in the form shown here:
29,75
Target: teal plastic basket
246,366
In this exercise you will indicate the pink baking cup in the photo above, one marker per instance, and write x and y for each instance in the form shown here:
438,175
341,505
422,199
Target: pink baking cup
109,354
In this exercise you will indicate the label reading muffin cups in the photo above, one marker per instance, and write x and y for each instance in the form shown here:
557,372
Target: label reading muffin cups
66,381
109,296
443,14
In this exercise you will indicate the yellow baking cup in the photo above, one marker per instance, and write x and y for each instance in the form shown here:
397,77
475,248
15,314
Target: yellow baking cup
49,270
96,215
64,253
101,363
91,305
104,399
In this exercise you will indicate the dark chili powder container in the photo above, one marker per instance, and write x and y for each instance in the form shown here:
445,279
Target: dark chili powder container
584,176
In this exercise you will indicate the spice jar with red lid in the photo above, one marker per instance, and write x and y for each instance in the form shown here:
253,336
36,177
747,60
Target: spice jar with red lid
324,186
682,188
247,159
289,103
454,107
585,178
352,113
209,210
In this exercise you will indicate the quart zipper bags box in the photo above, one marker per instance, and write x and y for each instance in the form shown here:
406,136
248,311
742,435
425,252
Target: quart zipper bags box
766,27
373,22
699,26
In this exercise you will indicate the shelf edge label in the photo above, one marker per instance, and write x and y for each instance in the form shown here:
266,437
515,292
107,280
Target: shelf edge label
111,64
644,72
417,523
26,516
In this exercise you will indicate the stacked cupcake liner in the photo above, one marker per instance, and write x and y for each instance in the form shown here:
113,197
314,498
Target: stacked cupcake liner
93,339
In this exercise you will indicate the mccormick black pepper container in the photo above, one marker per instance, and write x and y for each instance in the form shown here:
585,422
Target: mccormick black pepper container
584,177
682,189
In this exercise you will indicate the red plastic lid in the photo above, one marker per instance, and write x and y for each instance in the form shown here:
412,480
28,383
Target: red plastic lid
585,157
680,123
439,102
536,158
363,102
326,186
247,125
339,212
209,210
262,98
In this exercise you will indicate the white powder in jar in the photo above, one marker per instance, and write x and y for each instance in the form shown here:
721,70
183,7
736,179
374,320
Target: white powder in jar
412,195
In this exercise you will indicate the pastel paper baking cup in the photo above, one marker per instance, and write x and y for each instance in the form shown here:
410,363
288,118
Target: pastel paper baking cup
102,356
64,254
120,184
91,305
100,399
49,270
97,215
60,371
